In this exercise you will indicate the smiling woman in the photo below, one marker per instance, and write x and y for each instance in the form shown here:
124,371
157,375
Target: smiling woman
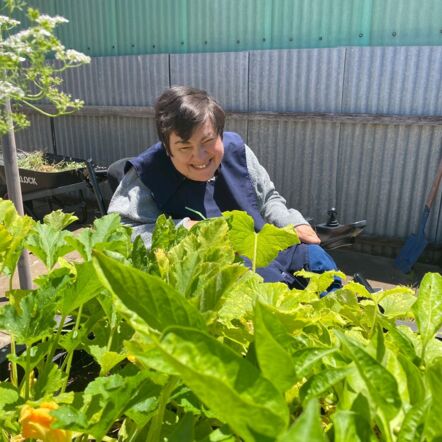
198,171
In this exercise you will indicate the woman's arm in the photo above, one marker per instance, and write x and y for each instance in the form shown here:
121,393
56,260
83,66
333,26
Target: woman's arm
272,205
134,203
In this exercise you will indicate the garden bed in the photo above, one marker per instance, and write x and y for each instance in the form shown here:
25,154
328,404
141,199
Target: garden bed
192,345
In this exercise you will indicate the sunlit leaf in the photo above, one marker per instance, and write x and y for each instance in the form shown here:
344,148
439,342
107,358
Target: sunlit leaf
412,425
274,360
48,244
307,427
428,307
262,247
352,427
381,384
149,297
320,383
228,384
59,220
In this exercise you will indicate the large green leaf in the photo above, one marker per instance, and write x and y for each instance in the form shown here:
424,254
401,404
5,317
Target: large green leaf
307,358
165,234
262,247
275,362
397,302
85,286
199,256
433,425
48,243
428,307
107,359
307,427
212,290
158,304
322,382
412,425
415,382
107,233
104,401
9,395
319,282
352,427
59,220
14,229
32,319
399,342
224,381
381,384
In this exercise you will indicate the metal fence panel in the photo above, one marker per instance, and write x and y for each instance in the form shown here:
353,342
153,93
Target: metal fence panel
104,139
405,22
393,80
123,27
152,26
320,23
91,28
37,136
119,81
223,75
301,159
308,80
385,175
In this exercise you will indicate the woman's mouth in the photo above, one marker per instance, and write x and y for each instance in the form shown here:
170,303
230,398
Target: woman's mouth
201,166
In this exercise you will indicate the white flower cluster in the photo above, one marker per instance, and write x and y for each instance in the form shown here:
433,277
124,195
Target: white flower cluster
47,20
72,56
8,21
10,56
9,90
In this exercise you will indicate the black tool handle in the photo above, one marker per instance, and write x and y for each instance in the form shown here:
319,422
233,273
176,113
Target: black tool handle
357,277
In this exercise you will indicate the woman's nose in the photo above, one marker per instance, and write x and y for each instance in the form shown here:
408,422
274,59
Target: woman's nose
201,152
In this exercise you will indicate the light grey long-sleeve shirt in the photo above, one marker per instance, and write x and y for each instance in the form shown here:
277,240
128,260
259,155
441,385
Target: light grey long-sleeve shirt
134,202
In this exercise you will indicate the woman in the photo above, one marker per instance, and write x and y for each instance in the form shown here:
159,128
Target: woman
196,167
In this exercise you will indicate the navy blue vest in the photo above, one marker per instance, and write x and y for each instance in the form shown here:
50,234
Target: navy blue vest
174,194
232,189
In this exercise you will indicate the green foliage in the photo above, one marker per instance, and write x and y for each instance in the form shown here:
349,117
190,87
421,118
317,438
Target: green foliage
260,247
29,72
184,342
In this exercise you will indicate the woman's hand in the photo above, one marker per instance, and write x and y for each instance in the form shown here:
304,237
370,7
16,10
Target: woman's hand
307,235
189,224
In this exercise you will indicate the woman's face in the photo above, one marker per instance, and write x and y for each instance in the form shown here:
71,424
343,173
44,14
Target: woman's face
199,157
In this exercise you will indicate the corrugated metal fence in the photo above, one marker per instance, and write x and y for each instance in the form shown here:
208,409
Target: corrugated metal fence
129,27
379,169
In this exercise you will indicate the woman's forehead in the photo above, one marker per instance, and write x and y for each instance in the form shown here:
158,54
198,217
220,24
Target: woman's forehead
203,130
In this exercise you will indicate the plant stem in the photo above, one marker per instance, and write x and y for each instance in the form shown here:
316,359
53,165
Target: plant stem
27,371
157,420
386,428
71,353
53,348
111,337
14,375
255,252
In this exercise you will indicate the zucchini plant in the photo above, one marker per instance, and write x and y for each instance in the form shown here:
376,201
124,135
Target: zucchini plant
189,344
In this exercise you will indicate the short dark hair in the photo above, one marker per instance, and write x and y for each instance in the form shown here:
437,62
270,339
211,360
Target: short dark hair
182,109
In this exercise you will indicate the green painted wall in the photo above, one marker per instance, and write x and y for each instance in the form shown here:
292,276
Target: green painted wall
120,27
